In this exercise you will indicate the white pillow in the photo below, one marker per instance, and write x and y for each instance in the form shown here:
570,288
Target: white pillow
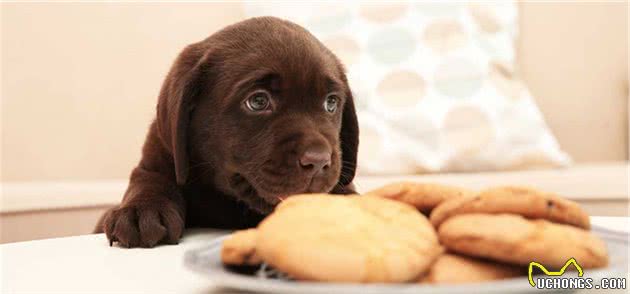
434,84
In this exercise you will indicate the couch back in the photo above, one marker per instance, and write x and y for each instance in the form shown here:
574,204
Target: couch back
80,80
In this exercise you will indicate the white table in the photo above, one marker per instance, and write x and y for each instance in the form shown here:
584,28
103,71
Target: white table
86,264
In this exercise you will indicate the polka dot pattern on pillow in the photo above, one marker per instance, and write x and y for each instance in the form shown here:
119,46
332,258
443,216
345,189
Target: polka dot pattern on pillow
434,83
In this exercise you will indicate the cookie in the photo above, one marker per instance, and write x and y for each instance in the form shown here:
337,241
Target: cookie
527,202
359,239
423,196
239,249
457,269
514,239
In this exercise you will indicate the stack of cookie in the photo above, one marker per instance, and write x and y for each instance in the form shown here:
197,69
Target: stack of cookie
406,232
496,233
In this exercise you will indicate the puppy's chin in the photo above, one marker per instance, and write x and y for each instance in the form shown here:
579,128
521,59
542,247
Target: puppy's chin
263,197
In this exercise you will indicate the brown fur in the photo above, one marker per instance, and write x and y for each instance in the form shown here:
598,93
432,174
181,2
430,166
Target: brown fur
207,161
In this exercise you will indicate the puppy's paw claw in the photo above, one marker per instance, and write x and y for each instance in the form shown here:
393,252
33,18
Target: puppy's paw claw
143,225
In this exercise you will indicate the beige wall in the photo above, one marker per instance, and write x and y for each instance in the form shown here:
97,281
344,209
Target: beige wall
79,81
574,57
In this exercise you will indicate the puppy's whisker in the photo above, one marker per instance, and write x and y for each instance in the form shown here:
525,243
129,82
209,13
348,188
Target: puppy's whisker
348,163
344,177
343,189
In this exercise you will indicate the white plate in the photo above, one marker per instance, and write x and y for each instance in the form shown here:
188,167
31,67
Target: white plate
207,261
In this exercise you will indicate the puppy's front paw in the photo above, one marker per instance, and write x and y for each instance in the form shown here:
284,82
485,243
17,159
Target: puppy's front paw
143,225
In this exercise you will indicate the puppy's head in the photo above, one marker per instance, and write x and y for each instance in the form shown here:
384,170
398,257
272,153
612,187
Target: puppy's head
260,110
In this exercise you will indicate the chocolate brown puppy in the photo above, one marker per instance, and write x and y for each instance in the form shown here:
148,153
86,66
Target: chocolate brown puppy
256,112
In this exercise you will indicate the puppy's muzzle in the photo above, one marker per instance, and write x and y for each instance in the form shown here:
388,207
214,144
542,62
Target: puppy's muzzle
315,161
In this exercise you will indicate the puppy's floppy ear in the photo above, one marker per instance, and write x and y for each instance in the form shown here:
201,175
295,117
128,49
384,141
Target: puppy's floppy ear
175,104
349,138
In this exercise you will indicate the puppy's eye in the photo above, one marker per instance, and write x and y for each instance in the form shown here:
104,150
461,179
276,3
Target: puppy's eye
259,101
331,103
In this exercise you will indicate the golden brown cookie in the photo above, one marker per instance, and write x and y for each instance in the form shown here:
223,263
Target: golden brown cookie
240,248
527,202
514,239
423,196
457,269
358,239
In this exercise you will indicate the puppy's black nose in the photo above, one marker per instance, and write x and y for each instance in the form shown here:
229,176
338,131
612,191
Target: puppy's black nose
313,160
